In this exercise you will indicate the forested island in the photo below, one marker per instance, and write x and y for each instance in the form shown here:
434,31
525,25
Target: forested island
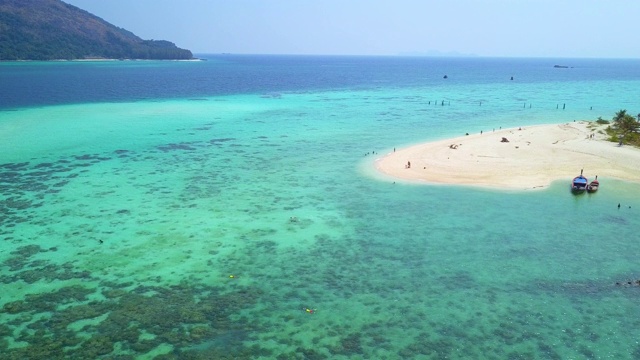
54,30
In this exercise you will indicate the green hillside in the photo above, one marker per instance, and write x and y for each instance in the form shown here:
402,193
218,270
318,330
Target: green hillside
52,29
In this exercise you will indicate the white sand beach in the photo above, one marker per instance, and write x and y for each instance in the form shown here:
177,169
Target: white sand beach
533,157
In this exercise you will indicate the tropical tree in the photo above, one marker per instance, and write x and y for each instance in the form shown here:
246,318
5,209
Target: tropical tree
625,123
619,115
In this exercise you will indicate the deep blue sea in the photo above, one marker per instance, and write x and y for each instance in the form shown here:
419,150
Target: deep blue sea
230,209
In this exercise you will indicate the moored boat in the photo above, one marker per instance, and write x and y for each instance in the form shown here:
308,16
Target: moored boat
579,184
593,186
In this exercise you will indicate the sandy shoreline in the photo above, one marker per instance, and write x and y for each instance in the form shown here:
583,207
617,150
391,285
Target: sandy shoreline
533,158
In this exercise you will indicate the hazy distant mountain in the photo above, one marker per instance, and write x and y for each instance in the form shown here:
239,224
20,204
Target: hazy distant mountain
52,29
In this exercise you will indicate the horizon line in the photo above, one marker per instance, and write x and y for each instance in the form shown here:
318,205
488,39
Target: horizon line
423,55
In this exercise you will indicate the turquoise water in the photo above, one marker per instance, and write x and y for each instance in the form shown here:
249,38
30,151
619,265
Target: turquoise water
252,224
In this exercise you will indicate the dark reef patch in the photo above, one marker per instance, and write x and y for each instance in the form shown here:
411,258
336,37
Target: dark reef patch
220,140
91,157
174,147
21,257
14,166
48,272
195,320
27,250
615,219
28,185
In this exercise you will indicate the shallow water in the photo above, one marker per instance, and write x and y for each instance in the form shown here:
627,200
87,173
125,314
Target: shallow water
253,225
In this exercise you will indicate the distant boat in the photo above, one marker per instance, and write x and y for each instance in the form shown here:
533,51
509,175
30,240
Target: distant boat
593,186
579,184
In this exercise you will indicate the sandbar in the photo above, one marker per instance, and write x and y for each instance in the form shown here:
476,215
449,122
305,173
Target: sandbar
533,158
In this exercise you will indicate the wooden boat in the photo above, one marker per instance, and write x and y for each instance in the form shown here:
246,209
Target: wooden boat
579,184
593,186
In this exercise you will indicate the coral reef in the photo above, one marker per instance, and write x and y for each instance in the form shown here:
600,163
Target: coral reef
135,320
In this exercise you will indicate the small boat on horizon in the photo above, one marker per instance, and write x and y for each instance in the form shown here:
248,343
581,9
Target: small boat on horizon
579,184
593,186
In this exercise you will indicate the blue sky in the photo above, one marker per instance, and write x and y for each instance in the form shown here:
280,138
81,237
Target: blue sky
512,28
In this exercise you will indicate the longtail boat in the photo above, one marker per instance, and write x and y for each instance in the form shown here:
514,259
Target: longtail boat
593,186
579,184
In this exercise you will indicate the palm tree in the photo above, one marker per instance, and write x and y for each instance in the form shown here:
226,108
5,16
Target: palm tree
627,124
625,128
619,115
